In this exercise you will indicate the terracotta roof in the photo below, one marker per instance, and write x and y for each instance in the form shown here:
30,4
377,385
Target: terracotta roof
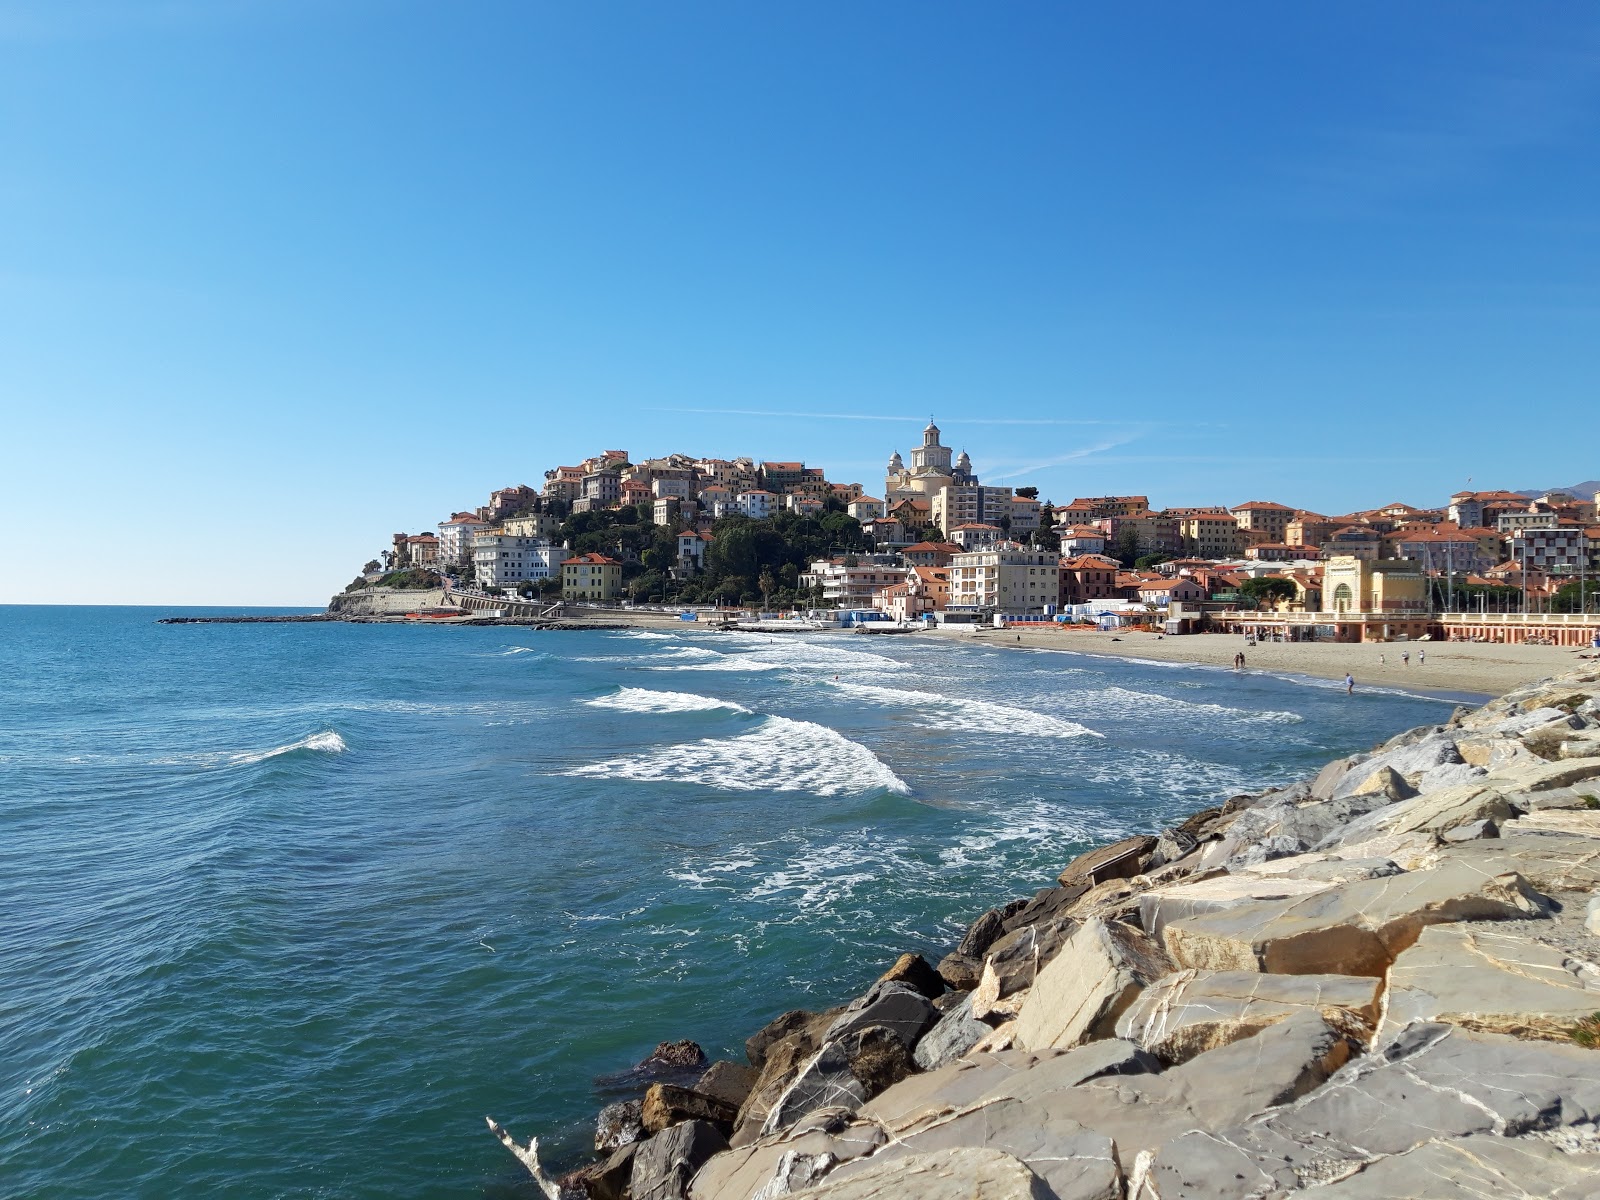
977,525
593,559
1251,505
932,547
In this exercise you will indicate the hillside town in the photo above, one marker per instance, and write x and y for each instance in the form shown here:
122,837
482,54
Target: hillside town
939,546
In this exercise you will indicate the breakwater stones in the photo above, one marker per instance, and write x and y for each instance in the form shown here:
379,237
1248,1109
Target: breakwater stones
1383,981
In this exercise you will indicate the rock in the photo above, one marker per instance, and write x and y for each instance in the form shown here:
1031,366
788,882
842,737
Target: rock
1481,979
618,1125
758,1043
1014,961
1435,812
1325,868
825,1081
729,1082
1515,726
962,1173
1120,860
918,1098
1351,929
1482,1165
674,1056
1048,904
798,1157
1382,781
666,1105
664,1165
1433,1082
1172,845
677,1062
1329,777
1191,1012
1591,916
1160,907
1079,996
950,1001
879,1059
960,972
782,1062
955,1034
1058,1071
608,1179
1586,746
913,969
1278,845
1472,831
1448,775
1073,1162
896,1006
1214,1090
1548,775
1195,825
1551,861
1001,1037
981,934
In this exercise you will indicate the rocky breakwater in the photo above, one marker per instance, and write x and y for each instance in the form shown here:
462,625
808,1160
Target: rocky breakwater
1381,982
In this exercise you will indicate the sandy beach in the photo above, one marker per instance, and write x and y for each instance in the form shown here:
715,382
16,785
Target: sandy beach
1482,670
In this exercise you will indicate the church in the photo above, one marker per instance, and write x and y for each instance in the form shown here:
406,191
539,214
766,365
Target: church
931,471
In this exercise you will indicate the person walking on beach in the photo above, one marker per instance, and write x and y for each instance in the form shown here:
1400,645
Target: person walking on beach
1349,684
1405,658
1422,658
1382,661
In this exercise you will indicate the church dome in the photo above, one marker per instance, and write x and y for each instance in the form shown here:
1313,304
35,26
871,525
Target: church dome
896,463
963,463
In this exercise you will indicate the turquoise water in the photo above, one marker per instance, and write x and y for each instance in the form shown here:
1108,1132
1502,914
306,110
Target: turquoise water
288,909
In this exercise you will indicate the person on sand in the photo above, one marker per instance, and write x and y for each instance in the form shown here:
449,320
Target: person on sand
1422,657
1405,658
1349,684
1383,661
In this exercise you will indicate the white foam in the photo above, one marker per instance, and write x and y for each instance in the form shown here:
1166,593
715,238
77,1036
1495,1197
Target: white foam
778,755
326,742
1129,701
646,635
520,650
644,700
958,712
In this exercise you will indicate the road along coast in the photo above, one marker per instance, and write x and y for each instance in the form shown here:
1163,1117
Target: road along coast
1381,981
1481,669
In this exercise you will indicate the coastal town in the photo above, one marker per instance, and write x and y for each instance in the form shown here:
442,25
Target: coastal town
939,547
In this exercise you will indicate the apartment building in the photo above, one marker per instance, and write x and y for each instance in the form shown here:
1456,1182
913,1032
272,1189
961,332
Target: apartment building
501,559
1263,520
455,538
591,577
1007,578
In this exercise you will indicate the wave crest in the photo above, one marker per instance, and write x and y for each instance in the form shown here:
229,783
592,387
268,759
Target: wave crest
326,742
644,700
778,755
957,712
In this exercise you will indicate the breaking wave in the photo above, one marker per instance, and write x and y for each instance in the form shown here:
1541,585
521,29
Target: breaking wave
956,712
326,742
1134,703
644,700
778,755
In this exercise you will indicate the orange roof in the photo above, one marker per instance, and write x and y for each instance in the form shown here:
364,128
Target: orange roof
1260,504
594,559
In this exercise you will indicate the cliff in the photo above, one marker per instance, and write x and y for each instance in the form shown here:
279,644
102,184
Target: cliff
1380,982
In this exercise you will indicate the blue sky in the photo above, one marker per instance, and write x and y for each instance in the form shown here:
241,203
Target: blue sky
280,278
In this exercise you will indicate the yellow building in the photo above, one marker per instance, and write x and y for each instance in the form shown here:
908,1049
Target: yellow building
591,577
1385,586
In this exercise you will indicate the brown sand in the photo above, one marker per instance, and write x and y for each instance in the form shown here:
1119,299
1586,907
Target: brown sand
1484,670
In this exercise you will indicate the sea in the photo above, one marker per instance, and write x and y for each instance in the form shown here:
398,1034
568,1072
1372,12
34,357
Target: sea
288,909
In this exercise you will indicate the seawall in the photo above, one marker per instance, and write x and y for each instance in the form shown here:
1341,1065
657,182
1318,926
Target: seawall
1381,981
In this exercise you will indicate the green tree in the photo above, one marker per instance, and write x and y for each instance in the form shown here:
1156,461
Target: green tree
1145,561
768,585
1268,590
1126,548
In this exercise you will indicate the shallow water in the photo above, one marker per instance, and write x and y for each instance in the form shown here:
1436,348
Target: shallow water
290,908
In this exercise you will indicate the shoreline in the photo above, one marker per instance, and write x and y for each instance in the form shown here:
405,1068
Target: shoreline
1478,671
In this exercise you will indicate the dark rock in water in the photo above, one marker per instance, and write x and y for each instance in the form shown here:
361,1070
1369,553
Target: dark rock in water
727,1081
677,1054
781,1061
605,1180
913,969
1120,860
670,1062
879,1059
1196,824
618,1125
664,1165
666,1105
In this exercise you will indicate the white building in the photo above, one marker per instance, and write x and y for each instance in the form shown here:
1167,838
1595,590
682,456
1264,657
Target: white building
976,536
692,551
865,508
853,586
1007,578
503,560
455,538
757,504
